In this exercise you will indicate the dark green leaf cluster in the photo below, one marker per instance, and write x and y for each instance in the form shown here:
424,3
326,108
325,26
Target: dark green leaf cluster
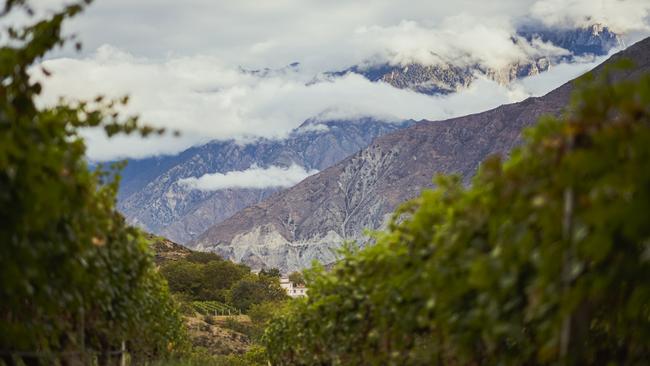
74,278
544,259
255,290
297,278
203,276
270,272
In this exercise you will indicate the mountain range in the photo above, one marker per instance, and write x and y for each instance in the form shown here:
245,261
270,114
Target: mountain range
311,220
152,196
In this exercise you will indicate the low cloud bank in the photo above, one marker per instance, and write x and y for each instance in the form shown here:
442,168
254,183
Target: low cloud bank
253,177
207,100
324,35
463,40
620,15
208,95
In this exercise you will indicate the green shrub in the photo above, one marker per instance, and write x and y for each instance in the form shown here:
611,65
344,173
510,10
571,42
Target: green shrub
297,278
262,313
234,323
203,257
255,290
201,279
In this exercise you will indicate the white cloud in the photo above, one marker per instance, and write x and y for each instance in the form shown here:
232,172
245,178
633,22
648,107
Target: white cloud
206,99
464,40
253,177
545,82
321,34
180,61
620,15
262,34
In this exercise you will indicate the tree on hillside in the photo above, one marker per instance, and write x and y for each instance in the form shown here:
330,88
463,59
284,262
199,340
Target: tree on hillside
201,280
297,278
545,259
203,257
270,272
74,276
184,277
224,274
255,290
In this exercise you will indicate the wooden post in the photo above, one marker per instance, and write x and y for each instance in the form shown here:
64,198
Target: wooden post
123,354
567,338
565,335
82,335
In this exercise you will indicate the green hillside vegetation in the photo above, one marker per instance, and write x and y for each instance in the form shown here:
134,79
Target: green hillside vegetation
225,306
544,259
206,277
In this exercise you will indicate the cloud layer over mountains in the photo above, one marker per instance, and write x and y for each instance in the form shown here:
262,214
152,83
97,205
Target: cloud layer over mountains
462,39
183,63
620,15
261,34
206,101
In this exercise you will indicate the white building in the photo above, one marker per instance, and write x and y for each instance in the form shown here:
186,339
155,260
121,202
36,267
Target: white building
292,289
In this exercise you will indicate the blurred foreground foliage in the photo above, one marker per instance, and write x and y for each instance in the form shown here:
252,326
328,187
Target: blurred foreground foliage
544,259
74,277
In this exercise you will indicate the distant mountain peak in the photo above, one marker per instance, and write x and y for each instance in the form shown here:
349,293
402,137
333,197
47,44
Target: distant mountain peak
449,76
596,39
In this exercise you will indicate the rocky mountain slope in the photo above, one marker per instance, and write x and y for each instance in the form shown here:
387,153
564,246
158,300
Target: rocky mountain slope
449,76
310,220
596,39
152,198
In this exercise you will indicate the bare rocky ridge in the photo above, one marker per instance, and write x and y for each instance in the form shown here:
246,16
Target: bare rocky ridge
152,198
596,39
448,78
308,221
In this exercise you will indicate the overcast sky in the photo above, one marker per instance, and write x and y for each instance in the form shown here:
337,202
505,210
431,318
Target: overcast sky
181,60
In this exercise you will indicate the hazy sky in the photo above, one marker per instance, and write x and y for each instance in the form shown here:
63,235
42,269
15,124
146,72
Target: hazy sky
181,61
